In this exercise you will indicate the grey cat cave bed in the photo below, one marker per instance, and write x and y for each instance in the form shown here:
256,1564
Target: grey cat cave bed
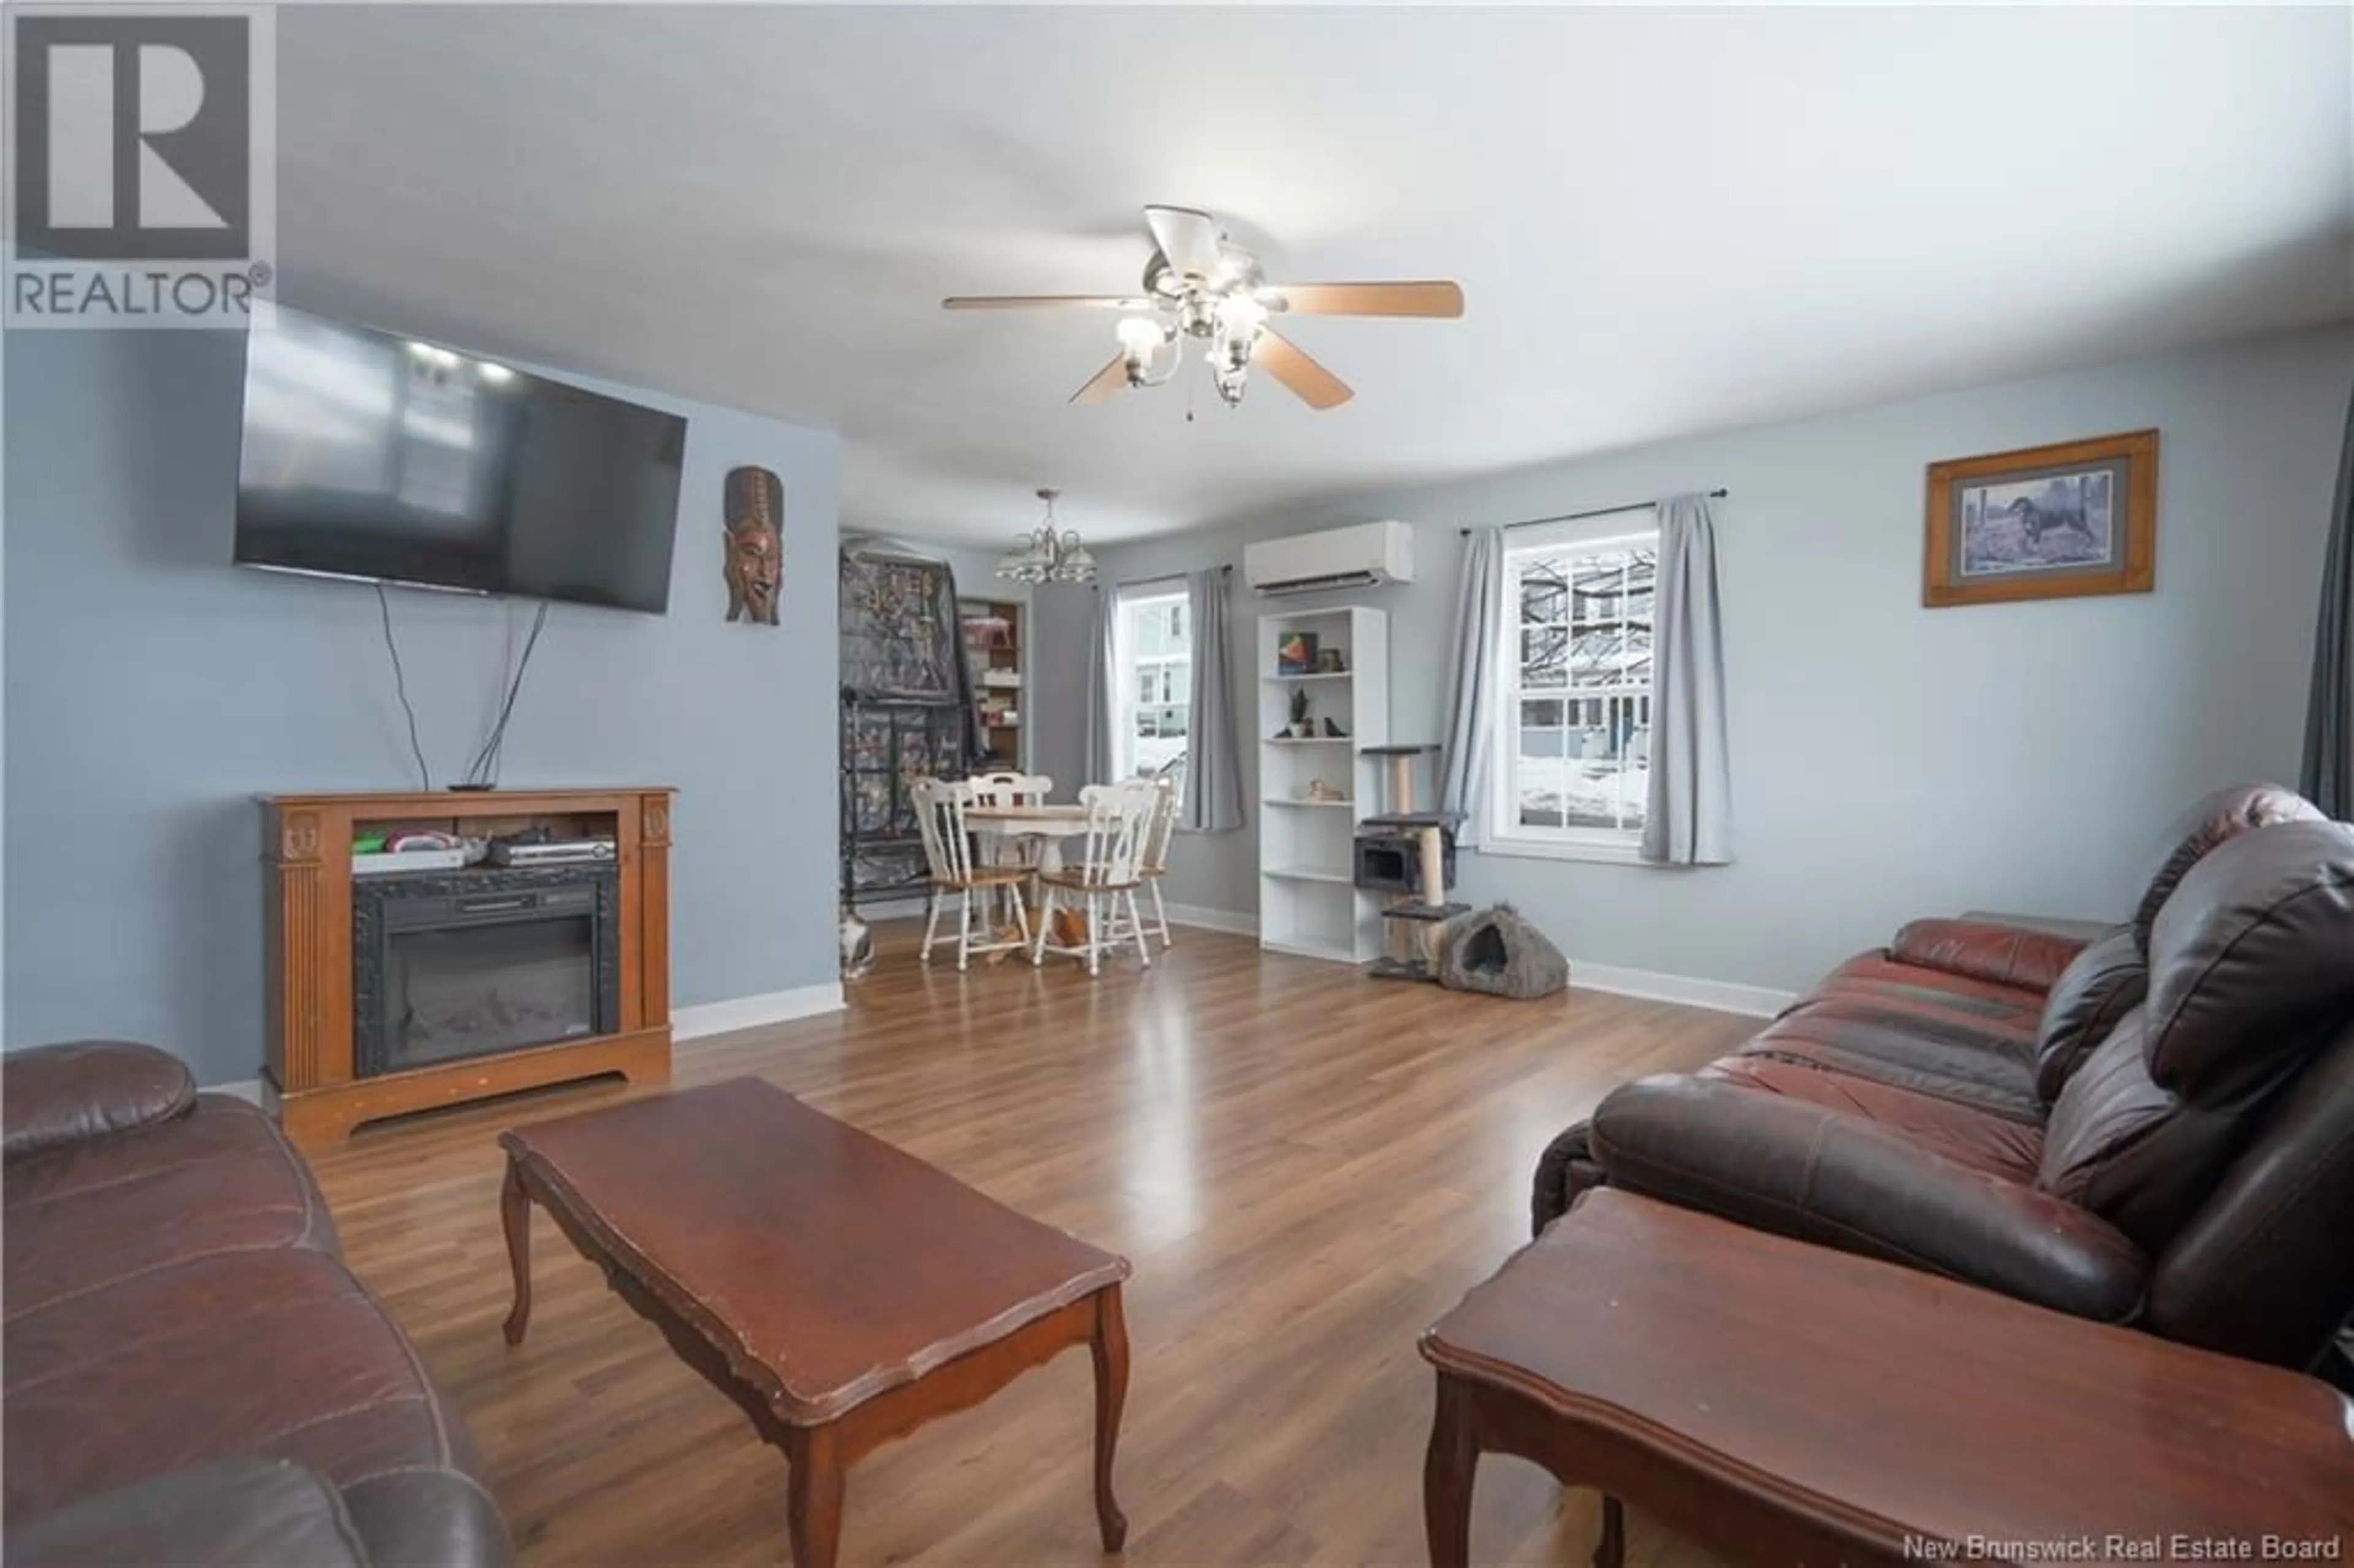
1496,952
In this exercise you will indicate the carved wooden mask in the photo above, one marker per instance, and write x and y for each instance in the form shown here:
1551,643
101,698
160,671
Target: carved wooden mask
756,544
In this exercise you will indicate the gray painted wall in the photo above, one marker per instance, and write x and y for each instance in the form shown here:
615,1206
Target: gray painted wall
1890,761
152,689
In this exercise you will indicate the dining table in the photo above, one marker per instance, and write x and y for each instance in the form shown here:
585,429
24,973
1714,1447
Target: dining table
1051,822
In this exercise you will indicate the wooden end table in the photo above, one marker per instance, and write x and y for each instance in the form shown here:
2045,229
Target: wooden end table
841,1292
1780,1402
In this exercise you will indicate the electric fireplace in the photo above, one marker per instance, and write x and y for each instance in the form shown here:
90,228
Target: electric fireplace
480,963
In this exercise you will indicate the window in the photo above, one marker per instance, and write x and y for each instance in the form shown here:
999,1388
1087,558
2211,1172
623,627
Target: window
1153,645
1573,727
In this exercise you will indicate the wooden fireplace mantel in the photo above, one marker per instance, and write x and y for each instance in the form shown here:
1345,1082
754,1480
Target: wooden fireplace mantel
307,867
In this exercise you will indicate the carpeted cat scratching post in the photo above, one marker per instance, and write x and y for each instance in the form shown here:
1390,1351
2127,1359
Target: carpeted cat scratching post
1496,952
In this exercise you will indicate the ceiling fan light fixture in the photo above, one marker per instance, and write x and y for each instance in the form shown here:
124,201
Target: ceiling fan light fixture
1199,283
1140,335
1241,318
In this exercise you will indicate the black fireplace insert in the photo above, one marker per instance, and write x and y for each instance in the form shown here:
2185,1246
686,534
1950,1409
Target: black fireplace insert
451,965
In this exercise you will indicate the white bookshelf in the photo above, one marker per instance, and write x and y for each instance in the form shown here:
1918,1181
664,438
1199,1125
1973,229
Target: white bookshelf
1307,900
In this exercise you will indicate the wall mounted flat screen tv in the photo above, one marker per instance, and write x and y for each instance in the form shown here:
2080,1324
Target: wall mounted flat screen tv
371,456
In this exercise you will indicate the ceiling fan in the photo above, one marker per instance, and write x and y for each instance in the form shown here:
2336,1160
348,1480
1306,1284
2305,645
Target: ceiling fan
1202,285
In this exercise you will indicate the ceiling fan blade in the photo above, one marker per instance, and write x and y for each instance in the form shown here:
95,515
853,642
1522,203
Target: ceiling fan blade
1187,237
1315,385
1437,297
1044,302
1105,383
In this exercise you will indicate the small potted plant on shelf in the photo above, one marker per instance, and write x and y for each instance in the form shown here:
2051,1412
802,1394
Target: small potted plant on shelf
1302,726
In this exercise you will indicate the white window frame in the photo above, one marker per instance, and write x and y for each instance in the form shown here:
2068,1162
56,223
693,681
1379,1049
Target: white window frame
1129,666
1506,835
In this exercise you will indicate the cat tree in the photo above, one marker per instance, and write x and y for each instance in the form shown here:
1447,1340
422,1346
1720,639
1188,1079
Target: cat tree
1409,854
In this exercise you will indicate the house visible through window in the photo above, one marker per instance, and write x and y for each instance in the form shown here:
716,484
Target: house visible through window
1154,646
1574,708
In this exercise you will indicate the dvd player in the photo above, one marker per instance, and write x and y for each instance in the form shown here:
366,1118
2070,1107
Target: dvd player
555,851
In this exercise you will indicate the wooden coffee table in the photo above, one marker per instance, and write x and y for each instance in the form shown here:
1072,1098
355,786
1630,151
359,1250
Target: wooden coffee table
841,1292
1785,1403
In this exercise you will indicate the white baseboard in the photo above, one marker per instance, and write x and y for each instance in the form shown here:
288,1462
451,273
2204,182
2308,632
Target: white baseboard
893,909
1231,921
1724,996
752,1012
246,1089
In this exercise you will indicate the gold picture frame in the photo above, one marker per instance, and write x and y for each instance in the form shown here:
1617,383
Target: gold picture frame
2050,521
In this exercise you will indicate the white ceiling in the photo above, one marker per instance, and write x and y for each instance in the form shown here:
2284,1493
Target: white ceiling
1665,221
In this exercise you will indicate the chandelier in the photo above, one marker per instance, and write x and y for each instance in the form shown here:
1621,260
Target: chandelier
1045,555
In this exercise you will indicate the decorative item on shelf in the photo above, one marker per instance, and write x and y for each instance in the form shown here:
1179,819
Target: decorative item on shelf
1324,791
373,854
1333,731
1328,662
987,632
1295,653
754,500
2079,517
857,945
1302,726
1045,556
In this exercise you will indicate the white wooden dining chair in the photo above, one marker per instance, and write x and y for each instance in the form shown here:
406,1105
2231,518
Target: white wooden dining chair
941,807
1012,789
1100,884
1153,862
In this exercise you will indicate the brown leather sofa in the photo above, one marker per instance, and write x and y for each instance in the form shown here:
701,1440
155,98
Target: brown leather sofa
191,1375
2155,1128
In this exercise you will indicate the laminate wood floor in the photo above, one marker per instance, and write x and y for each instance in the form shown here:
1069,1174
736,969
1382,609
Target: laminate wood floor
1306,1166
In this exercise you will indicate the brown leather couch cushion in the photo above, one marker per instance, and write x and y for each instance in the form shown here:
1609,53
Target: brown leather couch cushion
220,1179
2223,815
173,1299
279,1353
2104,982
1819,1174
2265,1270
1876,976
1982,949
79,1090
1988,1067
2128,1149
231,1513
2251,956
1994,1144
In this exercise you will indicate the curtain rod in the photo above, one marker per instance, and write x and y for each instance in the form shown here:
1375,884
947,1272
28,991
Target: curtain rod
1716,494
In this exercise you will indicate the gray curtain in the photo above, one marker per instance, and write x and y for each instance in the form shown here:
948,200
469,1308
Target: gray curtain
1213,760
1102,674
1472,677
1690,817
2327,778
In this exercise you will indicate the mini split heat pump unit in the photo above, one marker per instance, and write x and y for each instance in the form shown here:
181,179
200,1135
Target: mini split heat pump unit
1365,555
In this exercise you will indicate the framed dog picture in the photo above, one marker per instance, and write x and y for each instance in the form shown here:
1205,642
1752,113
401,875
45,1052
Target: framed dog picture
2080,518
